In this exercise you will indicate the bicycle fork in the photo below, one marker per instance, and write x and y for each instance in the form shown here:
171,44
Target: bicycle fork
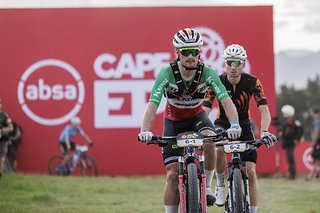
247,206
245,179
182,186
203,186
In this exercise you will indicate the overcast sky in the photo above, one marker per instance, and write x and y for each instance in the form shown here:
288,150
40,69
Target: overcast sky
297,22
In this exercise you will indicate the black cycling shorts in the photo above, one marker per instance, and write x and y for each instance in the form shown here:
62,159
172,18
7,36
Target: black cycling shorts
199,123
64,148
246,134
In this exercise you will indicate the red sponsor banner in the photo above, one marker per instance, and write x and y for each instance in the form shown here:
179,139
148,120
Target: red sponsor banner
302,155
100,64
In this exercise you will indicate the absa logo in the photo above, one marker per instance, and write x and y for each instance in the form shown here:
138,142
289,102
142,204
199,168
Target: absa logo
53,83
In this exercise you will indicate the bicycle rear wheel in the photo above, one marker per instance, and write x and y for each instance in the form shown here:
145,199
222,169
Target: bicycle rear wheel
54,162
193,189
88,166
237,191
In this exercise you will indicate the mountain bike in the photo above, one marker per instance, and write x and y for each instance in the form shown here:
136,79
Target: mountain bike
192,180
238,198
79,162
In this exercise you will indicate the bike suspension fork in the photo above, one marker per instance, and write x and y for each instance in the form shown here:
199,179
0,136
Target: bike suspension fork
203,185
230,180
246,187
182,186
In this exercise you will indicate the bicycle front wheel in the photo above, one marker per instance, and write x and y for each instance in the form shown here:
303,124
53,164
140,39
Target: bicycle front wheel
88,166
237,192
193,189
54,162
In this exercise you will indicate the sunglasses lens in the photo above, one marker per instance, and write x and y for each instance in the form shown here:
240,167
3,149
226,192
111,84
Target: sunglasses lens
235,63
187,52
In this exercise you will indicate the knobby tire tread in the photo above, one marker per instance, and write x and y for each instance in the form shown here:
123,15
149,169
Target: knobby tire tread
237,190
193,189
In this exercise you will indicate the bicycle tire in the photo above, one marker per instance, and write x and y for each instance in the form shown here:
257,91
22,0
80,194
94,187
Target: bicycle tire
88,166
237,191
54,161
193,189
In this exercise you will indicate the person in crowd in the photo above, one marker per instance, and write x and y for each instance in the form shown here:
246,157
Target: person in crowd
16,140
241,87
184,83
290,135
66,143
5,128
315,136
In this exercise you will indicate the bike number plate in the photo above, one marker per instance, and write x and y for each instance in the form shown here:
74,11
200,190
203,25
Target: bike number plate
82,148
189,139
229,148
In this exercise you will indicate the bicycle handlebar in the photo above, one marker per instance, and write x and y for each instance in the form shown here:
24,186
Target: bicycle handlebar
219,139
256,143
165,140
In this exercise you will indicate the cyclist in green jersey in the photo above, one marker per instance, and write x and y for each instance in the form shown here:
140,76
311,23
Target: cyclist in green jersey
5,128
185,83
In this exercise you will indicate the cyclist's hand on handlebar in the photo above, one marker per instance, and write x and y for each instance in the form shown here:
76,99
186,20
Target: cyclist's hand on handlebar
90,144
234,131
145,136
268,137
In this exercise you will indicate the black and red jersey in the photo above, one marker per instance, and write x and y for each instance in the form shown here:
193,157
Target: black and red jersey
240,94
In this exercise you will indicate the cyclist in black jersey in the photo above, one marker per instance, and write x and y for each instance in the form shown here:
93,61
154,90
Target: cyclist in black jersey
241,87
184,83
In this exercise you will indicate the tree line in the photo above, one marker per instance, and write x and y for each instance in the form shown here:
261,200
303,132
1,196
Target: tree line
301,100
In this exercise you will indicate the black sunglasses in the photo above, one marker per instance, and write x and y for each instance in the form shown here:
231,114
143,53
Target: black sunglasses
188,51
235,63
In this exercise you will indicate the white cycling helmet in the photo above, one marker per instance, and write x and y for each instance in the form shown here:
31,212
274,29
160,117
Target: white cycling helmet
187,38
287,111
75,121
235,50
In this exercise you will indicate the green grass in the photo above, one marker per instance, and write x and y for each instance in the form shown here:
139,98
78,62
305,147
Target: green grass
39,193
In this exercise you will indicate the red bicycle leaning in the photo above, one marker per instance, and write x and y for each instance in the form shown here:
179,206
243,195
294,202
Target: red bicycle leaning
192,180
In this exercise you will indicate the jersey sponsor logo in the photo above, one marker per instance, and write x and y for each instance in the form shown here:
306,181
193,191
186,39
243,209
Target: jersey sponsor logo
45,87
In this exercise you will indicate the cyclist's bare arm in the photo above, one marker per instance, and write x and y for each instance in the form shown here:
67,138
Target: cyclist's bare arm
149,116
230,109
68,142
87,138
265,117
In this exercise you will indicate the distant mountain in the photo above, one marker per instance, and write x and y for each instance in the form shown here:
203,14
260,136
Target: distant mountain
294,68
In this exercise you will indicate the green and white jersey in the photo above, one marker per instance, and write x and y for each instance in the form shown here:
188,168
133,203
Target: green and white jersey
187,105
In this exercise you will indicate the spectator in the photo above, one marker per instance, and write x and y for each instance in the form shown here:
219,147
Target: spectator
16,140
5,128
315,136
290,134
